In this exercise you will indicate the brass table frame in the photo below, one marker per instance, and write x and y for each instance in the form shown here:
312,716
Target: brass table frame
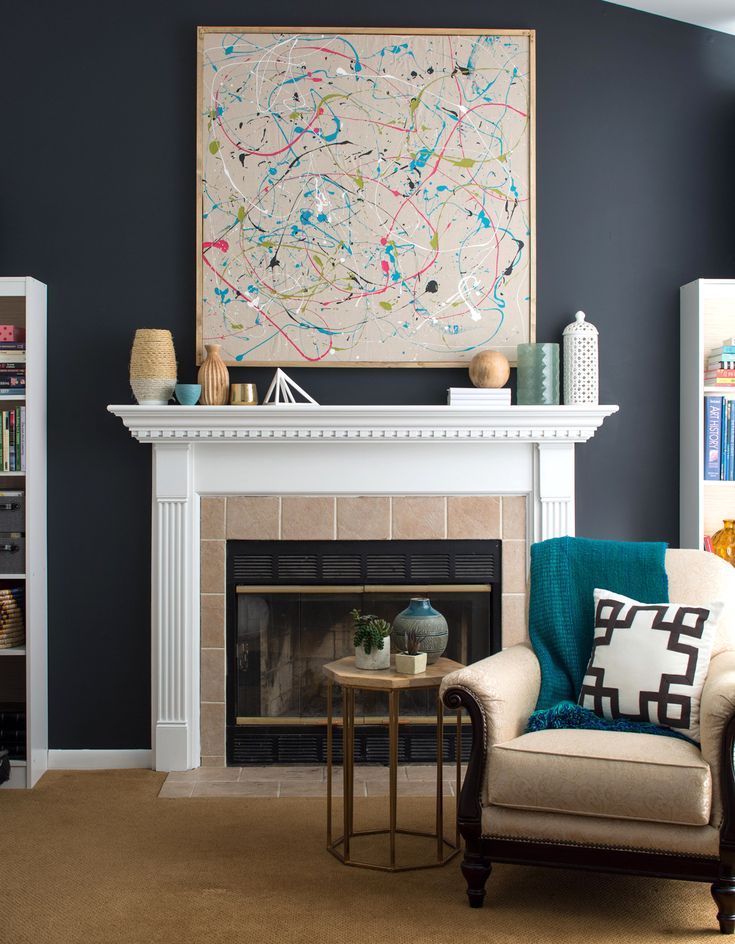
445,849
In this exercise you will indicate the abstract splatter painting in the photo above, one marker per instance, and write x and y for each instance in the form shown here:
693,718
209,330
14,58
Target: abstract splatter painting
365,197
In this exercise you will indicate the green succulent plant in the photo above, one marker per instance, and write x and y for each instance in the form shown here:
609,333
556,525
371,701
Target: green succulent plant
370,631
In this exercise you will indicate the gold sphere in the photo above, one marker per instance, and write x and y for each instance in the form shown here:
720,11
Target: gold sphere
489,369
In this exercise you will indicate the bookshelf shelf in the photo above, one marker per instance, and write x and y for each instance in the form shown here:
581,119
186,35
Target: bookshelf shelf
707,318
23,669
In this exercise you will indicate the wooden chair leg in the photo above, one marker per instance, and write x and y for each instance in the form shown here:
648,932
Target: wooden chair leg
476,870
723,892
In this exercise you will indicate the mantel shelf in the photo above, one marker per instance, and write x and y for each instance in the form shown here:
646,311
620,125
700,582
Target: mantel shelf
306,422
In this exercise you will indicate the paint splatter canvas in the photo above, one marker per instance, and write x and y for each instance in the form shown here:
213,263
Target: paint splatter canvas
365,198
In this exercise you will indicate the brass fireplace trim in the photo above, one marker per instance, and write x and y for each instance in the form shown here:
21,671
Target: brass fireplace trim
360,719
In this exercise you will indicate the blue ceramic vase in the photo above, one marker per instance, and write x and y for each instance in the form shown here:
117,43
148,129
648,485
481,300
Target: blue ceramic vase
431,628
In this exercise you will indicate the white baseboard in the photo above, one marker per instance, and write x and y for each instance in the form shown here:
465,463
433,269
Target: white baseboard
99,760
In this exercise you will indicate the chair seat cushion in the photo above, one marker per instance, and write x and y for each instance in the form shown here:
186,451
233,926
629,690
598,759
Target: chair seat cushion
607,774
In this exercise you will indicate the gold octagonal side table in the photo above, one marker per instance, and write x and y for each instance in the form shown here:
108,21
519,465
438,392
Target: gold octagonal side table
351,679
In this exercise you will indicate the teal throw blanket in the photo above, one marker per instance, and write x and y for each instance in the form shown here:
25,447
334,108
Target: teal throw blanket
568,714
564,574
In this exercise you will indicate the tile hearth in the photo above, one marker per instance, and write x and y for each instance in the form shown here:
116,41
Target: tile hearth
276,782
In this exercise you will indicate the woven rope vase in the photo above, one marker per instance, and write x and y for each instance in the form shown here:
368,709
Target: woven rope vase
153,366
214,378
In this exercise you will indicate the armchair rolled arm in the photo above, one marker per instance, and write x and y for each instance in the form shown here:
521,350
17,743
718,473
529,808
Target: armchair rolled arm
717,734
506,686
499,693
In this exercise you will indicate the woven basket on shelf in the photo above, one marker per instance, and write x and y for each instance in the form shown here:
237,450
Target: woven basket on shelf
153,366
12,618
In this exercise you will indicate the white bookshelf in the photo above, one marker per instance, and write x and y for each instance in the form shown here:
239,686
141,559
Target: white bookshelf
707,317
23,670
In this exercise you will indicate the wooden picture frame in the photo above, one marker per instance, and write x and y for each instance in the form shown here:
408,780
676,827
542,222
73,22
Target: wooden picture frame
407,235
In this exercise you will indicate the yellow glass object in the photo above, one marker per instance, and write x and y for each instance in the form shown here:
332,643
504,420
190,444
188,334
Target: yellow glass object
723,542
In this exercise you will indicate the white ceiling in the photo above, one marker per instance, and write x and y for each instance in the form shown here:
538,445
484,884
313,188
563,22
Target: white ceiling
714,14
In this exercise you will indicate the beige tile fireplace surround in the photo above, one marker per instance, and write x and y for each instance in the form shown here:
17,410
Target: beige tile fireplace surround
342,517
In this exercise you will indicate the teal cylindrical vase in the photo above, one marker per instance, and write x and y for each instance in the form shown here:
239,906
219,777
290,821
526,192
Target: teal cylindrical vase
538,375
431,628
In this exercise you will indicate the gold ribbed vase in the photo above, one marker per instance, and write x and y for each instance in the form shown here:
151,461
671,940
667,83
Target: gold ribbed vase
153,366
723,542
214,378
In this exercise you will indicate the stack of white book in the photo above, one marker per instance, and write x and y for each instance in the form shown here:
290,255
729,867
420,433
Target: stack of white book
478,396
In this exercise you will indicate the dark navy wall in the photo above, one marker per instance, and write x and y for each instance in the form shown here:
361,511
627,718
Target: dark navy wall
636,196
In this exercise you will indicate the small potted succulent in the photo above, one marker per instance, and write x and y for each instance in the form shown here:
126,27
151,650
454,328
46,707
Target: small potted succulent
412,660
371,651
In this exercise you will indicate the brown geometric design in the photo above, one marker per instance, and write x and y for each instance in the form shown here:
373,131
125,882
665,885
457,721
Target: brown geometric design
661,706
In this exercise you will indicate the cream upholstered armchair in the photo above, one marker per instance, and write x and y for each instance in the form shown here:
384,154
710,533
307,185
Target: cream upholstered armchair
603,800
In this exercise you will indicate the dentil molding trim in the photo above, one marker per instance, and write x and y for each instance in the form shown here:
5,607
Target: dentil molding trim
349,423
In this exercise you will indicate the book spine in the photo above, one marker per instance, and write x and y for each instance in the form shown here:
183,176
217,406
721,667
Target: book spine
723,439
719,373
6,441
712,431
22,438
11,439
18,459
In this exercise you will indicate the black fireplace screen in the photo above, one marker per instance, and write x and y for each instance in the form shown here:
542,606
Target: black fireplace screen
289,609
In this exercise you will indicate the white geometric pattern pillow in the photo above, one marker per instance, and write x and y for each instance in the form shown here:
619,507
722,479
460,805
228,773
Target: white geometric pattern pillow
649,661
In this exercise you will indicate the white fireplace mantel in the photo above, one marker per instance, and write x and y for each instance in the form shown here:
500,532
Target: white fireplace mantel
311,450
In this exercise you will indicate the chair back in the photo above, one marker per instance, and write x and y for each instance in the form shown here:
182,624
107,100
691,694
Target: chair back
701,577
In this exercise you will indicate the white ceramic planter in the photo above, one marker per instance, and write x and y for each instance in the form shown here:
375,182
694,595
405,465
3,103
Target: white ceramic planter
410,665
377,659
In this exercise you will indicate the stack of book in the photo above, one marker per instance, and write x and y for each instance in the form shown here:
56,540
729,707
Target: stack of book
13,440
478,396
12,618
719,439
719,370
12,361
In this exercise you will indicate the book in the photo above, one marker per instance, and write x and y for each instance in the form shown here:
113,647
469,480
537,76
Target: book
478,396
712,437
19,464
724,454
720,373
719,381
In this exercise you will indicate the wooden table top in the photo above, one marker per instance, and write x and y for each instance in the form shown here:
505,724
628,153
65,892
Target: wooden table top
345,673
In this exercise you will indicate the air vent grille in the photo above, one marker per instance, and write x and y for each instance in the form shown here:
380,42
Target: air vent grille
479,567
436,567
386,568
345,568
253,568
298,568
307,746
364,562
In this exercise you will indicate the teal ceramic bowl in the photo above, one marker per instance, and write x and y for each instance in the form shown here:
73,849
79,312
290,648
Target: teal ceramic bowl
188,394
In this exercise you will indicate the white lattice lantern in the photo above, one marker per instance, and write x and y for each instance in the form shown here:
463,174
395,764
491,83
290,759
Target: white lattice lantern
581,364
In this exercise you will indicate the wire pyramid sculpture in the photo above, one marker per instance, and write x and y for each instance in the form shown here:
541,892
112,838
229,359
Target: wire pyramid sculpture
282,390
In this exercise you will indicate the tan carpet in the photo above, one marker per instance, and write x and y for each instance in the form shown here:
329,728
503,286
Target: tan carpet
96,857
